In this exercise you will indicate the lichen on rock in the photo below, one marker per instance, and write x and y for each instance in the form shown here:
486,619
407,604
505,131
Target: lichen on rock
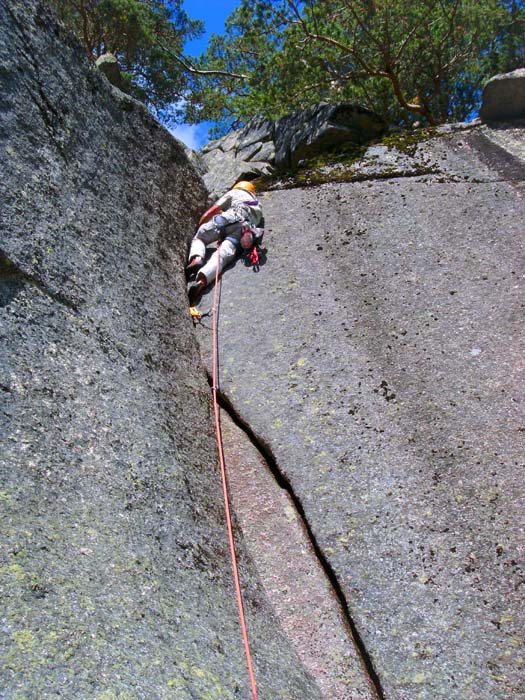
115,574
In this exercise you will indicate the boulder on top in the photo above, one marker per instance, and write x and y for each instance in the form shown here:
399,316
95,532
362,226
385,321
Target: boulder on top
504,97
108,64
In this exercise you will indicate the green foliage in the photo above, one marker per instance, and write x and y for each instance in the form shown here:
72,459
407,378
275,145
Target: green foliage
507,50
146,36
251,47
408,60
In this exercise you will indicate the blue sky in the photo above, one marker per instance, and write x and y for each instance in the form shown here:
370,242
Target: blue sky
214,13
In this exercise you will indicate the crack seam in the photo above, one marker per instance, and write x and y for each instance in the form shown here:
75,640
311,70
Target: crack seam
267,454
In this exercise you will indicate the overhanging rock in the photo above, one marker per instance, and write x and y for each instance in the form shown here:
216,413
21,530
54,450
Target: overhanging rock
323,127
262,145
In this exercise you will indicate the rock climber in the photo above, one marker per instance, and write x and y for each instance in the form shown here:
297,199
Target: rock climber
236,222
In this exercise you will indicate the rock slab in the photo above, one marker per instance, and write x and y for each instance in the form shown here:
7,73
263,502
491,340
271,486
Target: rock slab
378,355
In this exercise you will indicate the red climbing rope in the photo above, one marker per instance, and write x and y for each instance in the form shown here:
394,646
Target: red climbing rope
225,487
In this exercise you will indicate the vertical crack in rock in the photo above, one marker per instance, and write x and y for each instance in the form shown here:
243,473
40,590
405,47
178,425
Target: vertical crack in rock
335,654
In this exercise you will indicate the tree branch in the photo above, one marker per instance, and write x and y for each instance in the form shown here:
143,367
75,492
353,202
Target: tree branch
451,20
309,35
409,36
85,30
387,72
196,71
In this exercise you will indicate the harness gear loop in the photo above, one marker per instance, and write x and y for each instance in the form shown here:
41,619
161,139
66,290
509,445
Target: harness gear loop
233,555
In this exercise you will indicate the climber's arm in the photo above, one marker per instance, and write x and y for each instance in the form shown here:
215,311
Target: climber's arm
220,205
212,211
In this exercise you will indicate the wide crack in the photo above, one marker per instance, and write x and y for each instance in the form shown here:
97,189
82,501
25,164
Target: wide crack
351,677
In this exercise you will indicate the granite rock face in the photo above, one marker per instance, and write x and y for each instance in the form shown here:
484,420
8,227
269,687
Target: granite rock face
241,155
382,368
262,145
115,576
504,97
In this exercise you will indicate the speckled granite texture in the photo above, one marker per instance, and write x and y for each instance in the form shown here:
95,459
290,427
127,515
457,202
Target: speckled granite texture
115,578
378,355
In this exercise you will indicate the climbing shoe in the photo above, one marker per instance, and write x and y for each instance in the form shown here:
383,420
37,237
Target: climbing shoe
195,264
195,290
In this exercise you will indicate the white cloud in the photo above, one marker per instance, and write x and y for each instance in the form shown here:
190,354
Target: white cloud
193,135
186,133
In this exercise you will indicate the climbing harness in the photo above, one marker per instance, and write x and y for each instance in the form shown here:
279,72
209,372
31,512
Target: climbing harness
251,238
247,238
233,554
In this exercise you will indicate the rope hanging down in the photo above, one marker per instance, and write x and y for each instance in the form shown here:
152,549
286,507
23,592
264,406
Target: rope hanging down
233,554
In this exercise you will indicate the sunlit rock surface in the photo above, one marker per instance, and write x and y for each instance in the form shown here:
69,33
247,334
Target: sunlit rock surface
378,355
